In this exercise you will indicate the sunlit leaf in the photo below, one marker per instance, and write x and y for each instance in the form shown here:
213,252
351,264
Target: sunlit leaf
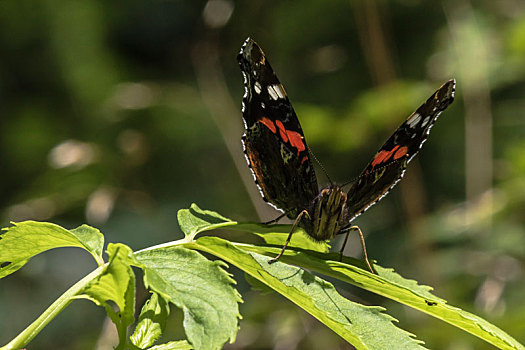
362,326
198,286
277,234
116,284
174,345
195,220
24,240
152,321
393,286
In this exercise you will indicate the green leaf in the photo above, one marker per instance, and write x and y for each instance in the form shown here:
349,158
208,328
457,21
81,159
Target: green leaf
257,284
393,286
201,288
419,297
364,327
386,282
277,234
91,238
195,220
174,345
152,321
116,284
24,240
113,281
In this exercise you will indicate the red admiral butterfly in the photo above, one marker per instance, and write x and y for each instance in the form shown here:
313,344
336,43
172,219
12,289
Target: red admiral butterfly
280,161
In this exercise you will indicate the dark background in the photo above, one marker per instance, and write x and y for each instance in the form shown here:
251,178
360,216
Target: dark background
119,113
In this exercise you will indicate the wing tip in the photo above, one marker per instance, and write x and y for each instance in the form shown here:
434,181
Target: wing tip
450,87
246,49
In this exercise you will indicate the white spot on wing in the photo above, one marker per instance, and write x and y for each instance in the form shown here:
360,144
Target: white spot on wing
257,87
428,122
280,91
245,82
414,120
276,91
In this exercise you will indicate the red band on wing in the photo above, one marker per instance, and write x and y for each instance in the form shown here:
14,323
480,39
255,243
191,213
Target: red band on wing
269,124
282,130
401,152
296,141
295,138
383,156
305,158
379,158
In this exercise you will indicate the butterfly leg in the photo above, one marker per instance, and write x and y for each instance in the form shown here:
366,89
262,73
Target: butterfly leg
274,220
294,226
362,238
344,245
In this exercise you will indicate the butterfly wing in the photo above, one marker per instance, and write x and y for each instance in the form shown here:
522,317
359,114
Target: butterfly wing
274,143
389,164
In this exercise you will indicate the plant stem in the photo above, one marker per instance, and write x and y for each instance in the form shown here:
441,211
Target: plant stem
52,311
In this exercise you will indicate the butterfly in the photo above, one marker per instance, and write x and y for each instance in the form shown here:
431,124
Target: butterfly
276,151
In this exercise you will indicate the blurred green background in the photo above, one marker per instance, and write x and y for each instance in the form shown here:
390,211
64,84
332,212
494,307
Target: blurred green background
119,113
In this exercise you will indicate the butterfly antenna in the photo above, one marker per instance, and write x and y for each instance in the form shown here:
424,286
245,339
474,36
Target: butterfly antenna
353,180
320,165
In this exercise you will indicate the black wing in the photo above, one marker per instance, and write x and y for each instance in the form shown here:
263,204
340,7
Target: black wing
274,143
389,164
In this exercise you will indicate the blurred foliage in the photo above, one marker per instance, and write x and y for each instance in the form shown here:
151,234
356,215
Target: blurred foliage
111,116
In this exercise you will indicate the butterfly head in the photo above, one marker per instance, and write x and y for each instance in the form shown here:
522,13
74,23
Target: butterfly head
328,213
